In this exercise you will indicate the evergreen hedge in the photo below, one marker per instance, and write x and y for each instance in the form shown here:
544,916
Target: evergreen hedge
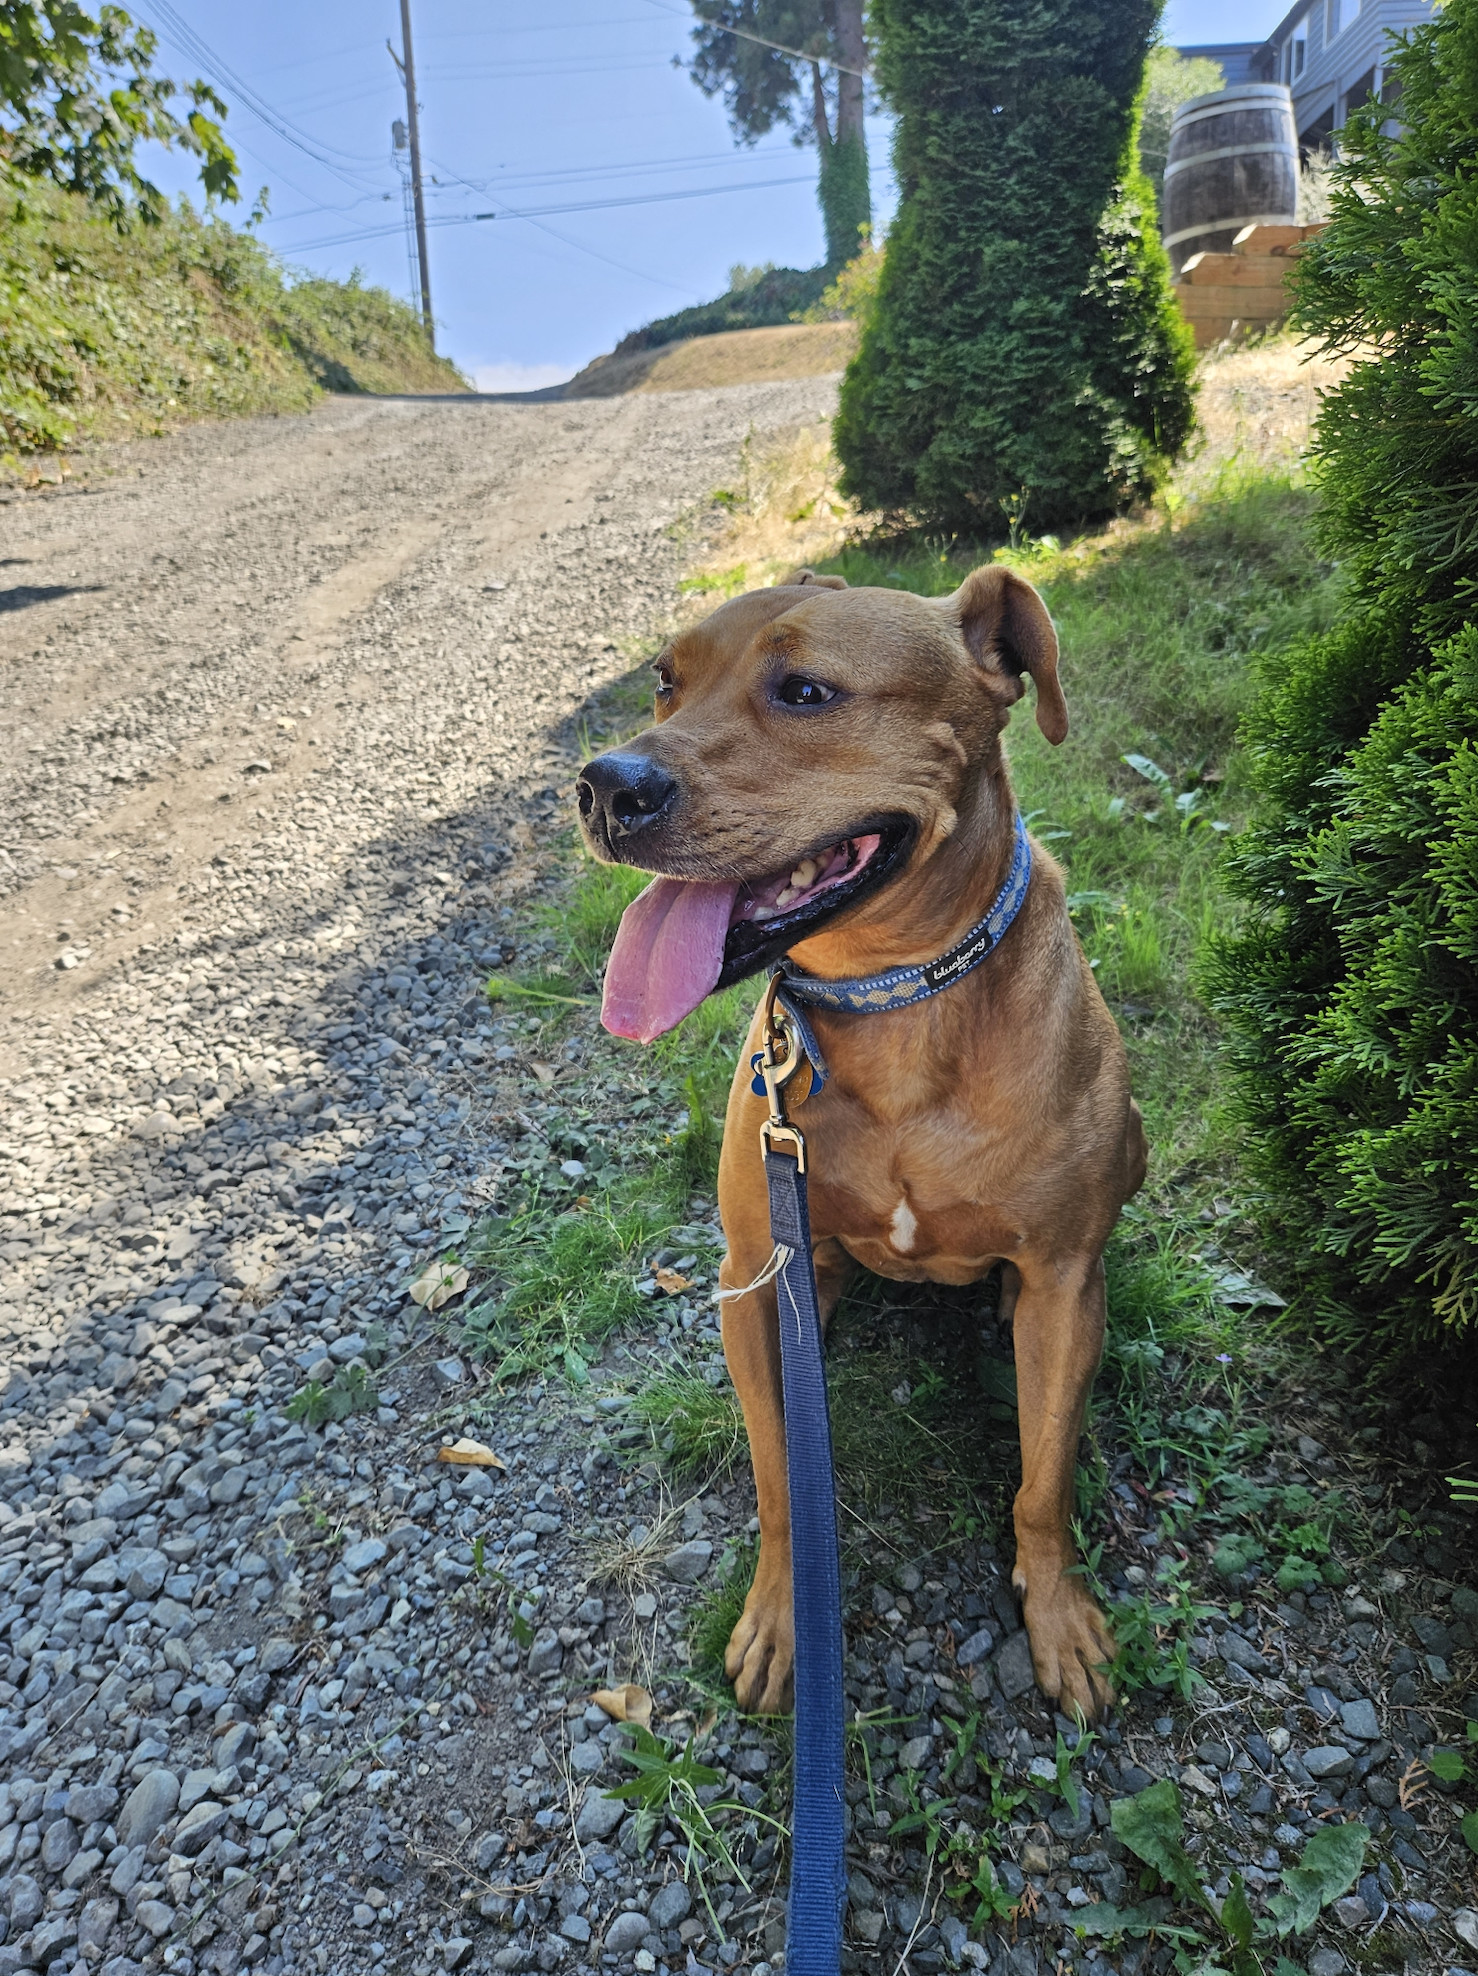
1351,995
1025,342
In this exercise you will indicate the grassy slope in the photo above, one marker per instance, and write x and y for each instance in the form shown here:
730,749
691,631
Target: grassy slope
106,335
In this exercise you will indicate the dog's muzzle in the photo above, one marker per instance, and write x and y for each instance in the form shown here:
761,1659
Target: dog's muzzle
621,794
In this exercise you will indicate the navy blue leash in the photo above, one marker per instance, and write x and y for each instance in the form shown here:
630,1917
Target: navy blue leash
818,1870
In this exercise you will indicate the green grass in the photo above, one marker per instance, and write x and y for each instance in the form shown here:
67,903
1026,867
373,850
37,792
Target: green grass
106,334
698,1428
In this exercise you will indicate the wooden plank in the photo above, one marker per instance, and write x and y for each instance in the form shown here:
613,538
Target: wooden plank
1234,271
1247,304
1271,239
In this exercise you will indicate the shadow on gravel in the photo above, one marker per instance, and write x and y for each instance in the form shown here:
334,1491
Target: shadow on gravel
21,596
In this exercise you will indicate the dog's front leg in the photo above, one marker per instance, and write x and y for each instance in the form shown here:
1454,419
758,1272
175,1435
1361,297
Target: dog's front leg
1058,1330
761,1653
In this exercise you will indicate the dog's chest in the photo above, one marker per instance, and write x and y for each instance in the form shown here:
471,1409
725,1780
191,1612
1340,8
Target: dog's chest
914,1206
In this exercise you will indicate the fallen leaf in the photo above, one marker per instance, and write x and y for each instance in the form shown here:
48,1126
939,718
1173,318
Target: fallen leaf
545,1072
470,1454
670,1283
628,1704
437,1284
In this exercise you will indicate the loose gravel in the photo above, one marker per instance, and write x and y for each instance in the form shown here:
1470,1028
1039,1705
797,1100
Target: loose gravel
294,709
296,704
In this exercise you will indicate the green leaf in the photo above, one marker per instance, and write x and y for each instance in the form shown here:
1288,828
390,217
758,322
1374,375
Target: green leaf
1330,1867
1152,1826
1447,1765
1469,1830
1236,1915
1151,771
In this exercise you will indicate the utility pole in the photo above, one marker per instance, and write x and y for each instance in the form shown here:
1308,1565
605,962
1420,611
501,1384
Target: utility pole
407,69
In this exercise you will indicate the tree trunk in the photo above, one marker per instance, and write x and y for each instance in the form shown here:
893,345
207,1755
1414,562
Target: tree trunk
846,199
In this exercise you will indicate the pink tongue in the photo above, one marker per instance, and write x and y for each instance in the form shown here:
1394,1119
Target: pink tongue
668,954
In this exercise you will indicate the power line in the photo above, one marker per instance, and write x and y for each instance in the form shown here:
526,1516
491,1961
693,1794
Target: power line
190,43
540,212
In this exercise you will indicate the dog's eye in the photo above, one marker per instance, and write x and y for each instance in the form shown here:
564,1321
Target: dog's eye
665,678
798,691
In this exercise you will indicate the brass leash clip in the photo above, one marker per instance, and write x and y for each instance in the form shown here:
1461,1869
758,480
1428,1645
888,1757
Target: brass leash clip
779,1061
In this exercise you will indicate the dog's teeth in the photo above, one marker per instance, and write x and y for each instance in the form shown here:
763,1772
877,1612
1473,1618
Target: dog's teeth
763,912
803,874
783,898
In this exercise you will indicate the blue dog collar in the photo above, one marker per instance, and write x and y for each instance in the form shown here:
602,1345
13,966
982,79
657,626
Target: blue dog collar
900,987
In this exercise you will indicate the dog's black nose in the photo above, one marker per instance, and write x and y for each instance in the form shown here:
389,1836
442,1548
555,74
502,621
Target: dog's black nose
621,794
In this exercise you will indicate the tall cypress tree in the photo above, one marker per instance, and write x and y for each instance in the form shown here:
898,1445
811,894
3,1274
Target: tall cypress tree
1025,346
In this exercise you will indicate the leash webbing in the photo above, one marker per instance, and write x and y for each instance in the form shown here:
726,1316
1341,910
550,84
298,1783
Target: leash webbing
818,1874
818,1869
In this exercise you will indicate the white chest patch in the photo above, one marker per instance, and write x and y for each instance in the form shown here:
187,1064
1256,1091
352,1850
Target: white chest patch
902,1228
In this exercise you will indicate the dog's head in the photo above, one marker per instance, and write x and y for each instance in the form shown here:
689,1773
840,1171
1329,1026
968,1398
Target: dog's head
813,744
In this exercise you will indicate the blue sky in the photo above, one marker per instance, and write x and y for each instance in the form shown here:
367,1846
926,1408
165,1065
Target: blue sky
567,118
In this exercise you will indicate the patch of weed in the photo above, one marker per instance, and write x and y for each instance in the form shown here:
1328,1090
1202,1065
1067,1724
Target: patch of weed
716,1613
351,1390
697,1428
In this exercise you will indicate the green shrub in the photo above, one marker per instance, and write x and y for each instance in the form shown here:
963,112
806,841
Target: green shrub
756,298
110,329
1025,346
1352,992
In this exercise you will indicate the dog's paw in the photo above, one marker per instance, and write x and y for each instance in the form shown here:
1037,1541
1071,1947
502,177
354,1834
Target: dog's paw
760,1660
1072,1648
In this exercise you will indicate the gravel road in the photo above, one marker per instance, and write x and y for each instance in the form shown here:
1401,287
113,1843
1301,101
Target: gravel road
290,706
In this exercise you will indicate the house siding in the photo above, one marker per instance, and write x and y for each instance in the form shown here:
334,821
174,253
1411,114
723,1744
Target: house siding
1339,68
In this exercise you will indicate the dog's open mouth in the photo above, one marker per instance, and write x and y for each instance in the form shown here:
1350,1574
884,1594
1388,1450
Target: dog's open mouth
682,938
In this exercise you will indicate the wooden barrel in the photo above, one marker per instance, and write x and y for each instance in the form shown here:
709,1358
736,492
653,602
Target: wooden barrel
1233,162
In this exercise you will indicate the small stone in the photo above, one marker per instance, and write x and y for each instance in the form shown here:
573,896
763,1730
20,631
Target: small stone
143,1572
546,1653
59,1843
587,1759
599,1816
867,1925
1465,1924
687,1564
455,1952
671,1904
914,1755
575,1928
627,1932
447,1372
1197,1780
94,1925
150,1803
1014,1666
954,1934
1326,1962
196,1786
1358,1719
52,1939
199,1826
975,1648
86,1803
1328,1760
364,1555
1351,1912
26,1902
154,1916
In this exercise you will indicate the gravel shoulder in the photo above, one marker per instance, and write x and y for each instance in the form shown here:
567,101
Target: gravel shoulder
293,704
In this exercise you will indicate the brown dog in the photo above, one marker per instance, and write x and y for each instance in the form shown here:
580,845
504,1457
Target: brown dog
827,780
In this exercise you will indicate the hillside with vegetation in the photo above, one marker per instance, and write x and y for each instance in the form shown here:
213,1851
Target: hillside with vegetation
115,331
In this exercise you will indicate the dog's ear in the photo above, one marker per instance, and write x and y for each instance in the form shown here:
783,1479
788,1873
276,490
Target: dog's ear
1007,631
810,577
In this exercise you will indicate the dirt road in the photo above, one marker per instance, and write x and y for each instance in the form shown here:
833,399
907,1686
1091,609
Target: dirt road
288,716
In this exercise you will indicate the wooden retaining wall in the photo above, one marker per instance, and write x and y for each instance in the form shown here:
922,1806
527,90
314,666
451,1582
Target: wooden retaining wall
1224,295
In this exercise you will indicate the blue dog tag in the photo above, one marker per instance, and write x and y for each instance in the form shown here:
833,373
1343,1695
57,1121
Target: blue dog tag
757,1083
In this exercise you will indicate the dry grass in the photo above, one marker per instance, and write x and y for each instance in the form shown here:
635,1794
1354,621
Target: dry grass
784,512
1257,404
737,356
